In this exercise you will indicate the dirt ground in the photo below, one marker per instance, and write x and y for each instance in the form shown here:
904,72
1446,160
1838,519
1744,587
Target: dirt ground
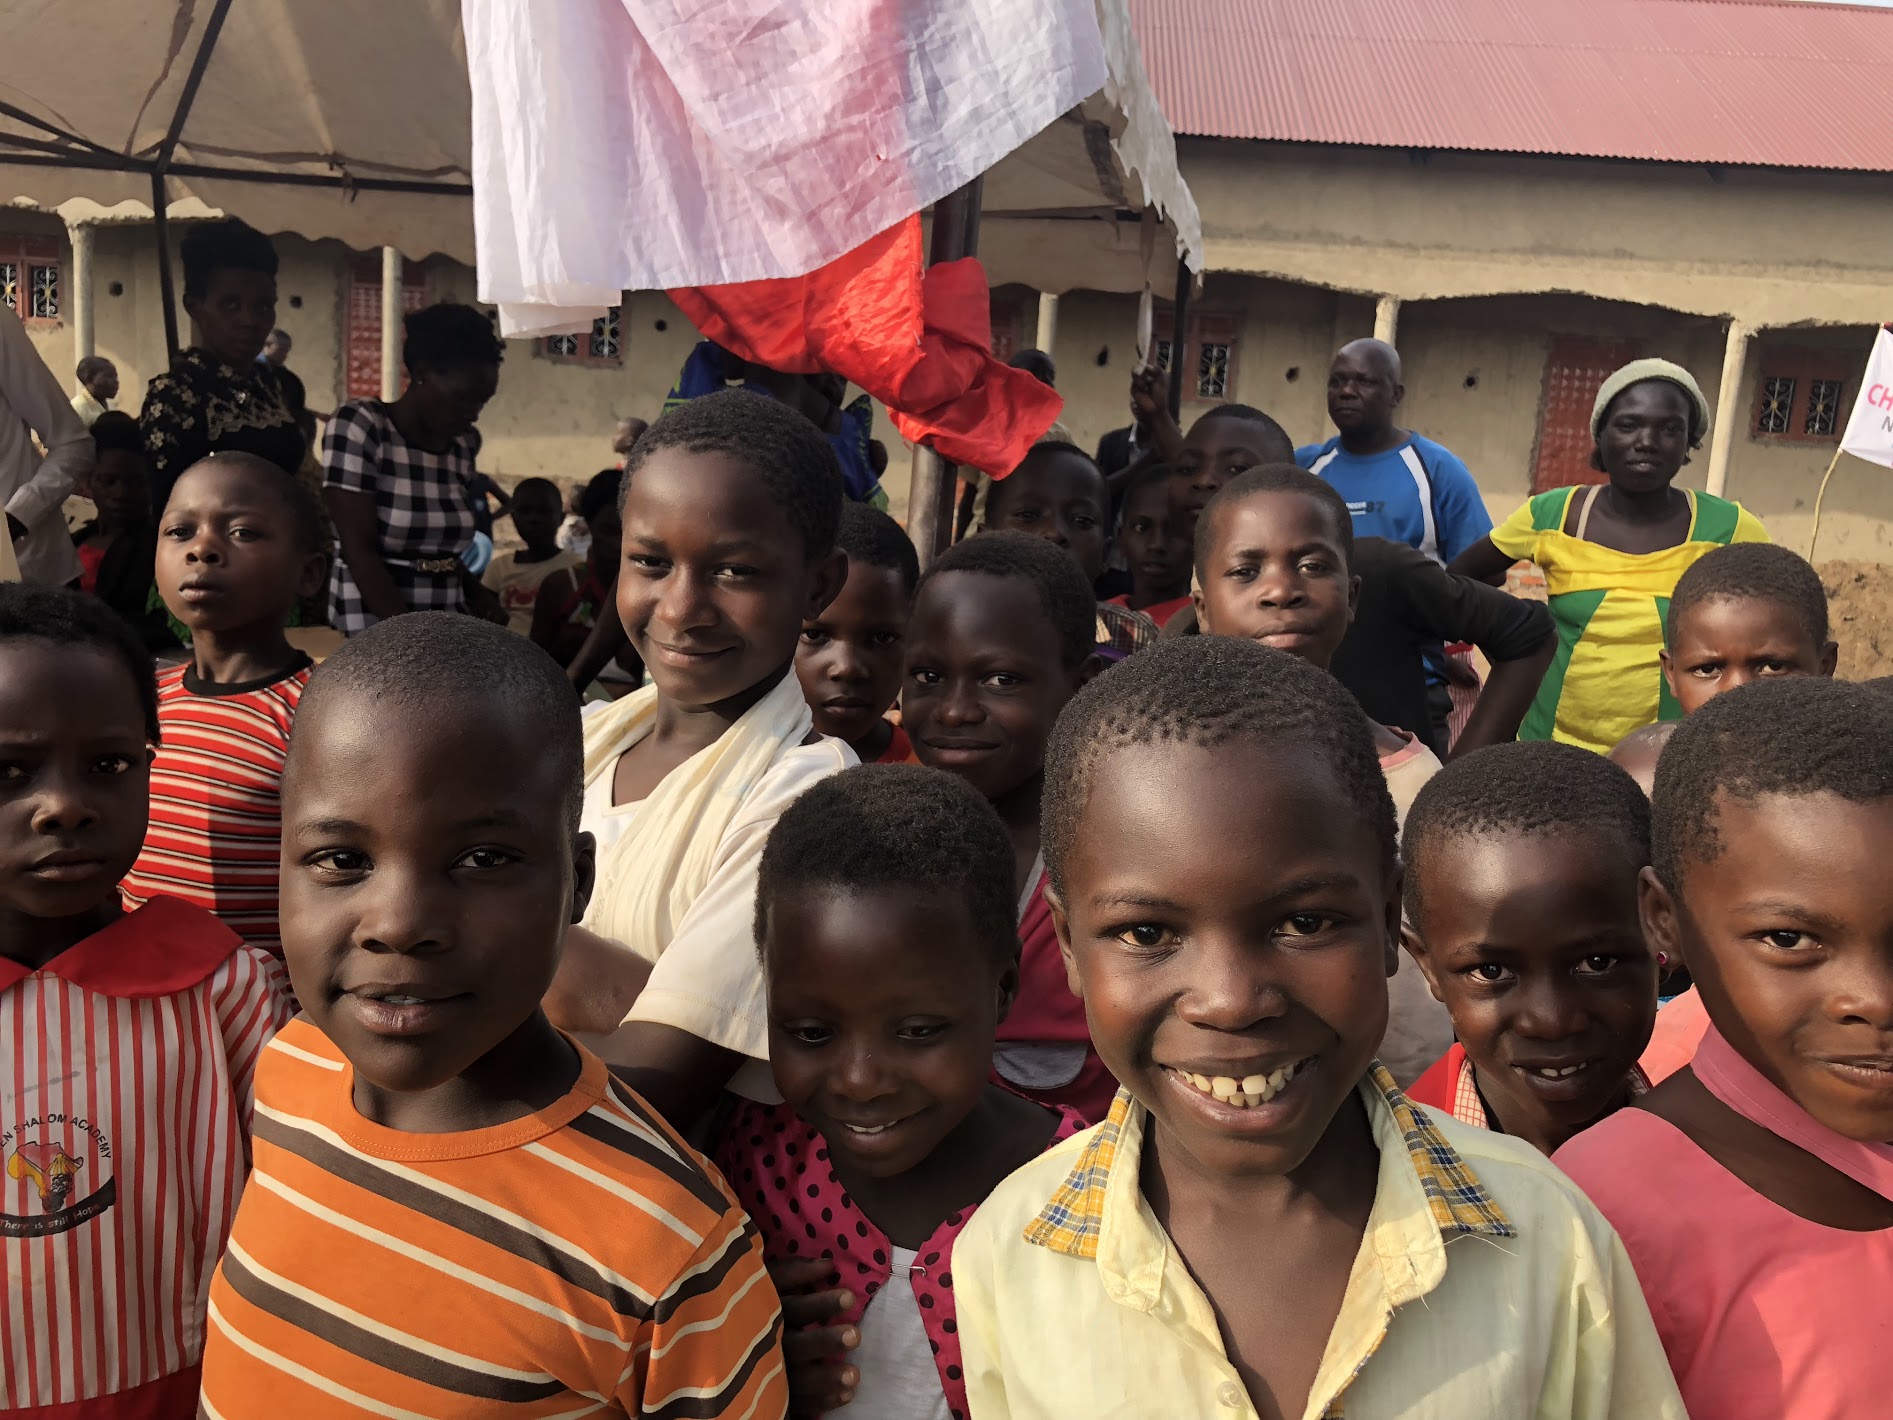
1860,603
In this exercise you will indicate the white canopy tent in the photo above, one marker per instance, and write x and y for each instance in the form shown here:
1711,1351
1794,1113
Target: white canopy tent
350,119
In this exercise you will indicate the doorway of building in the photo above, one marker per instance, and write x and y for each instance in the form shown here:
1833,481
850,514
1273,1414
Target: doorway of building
361,366
1576,366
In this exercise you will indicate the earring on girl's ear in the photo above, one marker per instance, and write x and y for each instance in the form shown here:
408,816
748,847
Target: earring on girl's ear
1663,961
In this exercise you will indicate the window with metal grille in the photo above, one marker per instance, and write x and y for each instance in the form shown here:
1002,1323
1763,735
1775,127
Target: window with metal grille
603,346
31,278
1777,407
1801,394
1823,416
1210,346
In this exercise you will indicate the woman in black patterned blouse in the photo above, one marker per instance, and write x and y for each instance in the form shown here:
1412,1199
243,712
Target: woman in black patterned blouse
217,395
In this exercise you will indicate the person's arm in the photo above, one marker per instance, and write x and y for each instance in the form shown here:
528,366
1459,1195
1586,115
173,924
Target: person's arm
1482,562
548,606
607,638
351,468
1118,484
357,520
503,504
34,396
596,985
1150,399
1459,512
679,1073
1515,635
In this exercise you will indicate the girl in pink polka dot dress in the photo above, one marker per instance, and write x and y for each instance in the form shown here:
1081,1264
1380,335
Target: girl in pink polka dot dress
885,919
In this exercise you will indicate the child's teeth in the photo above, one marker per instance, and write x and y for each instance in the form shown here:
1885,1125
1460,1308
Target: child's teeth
1244,1093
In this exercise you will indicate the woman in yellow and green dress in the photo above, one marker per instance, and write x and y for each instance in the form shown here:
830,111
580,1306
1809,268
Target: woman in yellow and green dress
1612,553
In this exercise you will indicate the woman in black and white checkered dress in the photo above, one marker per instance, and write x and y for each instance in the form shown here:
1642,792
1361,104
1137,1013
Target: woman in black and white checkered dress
396,477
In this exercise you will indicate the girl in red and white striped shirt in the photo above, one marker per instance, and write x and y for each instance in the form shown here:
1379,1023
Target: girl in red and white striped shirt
127,1041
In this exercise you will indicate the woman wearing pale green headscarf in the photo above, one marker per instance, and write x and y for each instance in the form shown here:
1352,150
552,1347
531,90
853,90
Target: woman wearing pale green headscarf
1612,552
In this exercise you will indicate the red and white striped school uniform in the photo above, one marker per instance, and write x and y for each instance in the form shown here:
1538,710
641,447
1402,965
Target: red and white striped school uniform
126,1067
216,799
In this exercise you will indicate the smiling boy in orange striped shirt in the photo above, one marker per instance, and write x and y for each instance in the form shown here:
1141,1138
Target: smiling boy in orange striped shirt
456,1212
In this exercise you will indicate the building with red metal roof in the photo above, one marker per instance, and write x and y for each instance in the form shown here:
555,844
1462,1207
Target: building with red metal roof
1525,194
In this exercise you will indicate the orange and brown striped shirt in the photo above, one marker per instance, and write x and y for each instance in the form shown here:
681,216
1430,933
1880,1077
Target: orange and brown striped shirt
579,1261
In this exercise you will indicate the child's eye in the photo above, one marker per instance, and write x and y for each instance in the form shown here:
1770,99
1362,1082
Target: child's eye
646,563
921,1032
812,636
886,638
339,862
1243,573
485,859
1084,520
111,764
735,573
1306,924
809,1035
1788,939
924,676
1004,680
1314,567
1488,972
1597,965
12,773
1706,669
1146,936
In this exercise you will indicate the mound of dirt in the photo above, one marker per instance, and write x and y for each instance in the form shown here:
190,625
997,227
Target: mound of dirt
1860,606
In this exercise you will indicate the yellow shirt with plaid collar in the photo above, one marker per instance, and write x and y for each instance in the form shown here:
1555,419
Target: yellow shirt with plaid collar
1072,1301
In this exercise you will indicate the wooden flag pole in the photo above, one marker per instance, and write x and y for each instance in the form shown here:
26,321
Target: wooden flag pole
1815,532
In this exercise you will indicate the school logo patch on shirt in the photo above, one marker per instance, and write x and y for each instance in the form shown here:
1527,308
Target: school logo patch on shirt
58,1175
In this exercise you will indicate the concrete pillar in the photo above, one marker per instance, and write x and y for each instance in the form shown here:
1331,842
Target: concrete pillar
1048,322
390,323
1387,319
1728,405
84,344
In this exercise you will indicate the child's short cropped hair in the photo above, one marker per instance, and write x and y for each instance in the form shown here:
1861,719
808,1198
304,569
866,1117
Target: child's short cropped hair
1525,789
601,491
895,826
1793,735
1208,691
432,662
790,455
68,619
1274,478
1753,571
1067,597
872,538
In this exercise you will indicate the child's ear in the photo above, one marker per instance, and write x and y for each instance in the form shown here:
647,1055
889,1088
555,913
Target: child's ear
1830,658
1416,948
1669,668
1200,607
1062,926
831,575
584,873
1087,671
1662,917
314,575
1009,985
1353,598
1395,926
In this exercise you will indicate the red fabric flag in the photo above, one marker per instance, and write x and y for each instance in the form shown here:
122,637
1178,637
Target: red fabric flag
917,338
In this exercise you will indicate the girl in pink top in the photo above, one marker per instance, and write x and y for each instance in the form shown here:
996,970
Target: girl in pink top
1753,1189
884,915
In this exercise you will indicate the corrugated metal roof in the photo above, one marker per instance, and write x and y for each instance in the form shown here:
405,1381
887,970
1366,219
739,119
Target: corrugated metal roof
1765,82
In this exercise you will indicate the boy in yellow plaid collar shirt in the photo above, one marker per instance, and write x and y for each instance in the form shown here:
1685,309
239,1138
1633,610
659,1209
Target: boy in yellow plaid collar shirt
1264,1226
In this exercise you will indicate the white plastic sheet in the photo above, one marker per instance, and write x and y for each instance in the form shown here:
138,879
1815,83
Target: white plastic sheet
638,144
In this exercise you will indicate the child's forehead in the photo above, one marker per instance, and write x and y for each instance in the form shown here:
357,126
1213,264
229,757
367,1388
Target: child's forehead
1046,472
1737,611
1284,514
1228,434
674,479
1005,606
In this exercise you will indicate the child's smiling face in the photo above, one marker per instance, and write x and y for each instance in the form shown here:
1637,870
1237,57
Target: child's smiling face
716,582
423,910
1533,943
883,1003
1788,933
1258,959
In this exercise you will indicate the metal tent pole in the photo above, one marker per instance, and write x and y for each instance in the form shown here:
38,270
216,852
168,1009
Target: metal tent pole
167,289
1179,336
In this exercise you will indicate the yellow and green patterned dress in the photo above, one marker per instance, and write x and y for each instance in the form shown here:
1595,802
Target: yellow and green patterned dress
1610,608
